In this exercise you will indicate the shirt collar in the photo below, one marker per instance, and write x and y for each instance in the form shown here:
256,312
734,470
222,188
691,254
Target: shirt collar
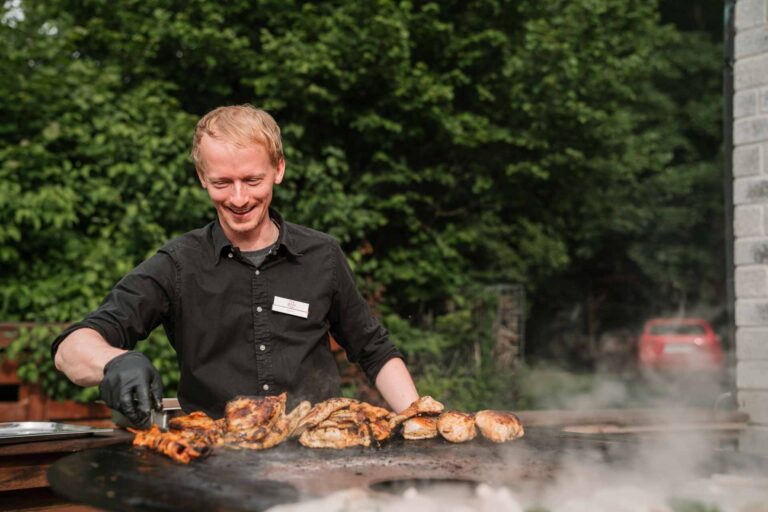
284,239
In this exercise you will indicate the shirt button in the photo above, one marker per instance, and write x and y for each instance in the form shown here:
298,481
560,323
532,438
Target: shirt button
258,309
257,272
262,347
229,255
265,387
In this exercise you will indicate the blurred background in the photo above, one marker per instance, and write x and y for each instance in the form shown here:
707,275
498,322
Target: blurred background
529,192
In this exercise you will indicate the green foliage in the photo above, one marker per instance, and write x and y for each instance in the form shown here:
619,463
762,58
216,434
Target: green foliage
31,351
448,145
451,357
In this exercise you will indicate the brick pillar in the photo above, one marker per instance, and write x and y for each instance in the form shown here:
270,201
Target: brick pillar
750,195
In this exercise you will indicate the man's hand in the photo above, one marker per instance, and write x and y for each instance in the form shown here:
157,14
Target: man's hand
132,386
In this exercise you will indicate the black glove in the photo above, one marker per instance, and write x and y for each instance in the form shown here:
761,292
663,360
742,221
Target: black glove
132,386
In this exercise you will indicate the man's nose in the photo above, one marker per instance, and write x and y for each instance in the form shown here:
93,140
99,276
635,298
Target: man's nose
238,197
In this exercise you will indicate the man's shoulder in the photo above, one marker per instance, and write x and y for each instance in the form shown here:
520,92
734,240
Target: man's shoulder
191,240
303,238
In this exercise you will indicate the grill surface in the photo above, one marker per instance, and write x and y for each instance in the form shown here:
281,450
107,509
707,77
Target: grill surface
124,478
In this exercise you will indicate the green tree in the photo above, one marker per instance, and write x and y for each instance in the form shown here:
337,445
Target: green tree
446,144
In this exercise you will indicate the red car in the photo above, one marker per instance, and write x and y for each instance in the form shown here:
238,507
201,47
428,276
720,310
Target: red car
679,344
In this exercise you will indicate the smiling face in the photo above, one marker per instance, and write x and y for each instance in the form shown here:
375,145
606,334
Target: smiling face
239,181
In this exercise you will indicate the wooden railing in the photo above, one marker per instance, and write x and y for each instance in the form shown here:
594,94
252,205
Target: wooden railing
21,401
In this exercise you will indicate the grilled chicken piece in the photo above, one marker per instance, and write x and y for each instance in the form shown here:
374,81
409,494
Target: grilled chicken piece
376,418
334,437
457,427
251,419
200,425
499,426
424,405
379,429
361,415
371,411
176,445
321,412
297,415
420,427
276,435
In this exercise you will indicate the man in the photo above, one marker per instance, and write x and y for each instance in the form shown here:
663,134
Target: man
247,301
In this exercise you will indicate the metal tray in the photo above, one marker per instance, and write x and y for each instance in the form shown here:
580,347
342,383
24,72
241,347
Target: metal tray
24,431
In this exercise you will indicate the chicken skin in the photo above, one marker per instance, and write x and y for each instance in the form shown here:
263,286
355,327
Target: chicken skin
499,426
420,427
457,427
424,405
296,415
251,419
321,412
335,437
198,425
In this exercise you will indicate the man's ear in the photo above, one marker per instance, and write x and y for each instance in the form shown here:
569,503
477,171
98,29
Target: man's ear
280,171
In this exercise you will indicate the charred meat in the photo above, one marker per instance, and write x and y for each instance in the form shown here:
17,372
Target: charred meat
198,425
176,445
251,419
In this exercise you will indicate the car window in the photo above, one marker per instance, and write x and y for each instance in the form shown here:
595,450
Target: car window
679,329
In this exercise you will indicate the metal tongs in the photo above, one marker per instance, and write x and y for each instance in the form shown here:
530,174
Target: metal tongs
162,411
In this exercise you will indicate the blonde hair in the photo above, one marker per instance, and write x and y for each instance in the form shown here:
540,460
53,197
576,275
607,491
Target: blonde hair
240,125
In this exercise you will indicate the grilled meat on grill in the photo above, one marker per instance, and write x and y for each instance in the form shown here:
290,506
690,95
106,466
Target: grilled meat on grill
260,423
499,426
277,434
343,422
199,425
457,427
336,437
424,405
420,427
179,446
376,419
321,411
296,415
251,419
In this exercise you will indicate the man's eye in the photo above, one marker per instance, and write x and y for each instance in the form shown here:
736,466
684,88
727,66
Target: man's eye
220,184
254,181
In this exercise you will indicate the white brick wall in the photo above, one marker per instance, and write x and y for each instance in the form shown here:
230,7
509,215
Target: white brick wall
750,13
750,219
752,344
747,160
752,281
755,403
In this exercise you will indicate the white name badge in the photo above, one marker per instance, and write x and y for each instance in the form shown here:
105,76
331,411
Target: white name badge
291,307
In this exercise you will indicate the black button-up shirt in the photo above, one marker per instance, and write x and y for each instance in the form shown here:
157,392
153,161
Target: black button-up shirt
217,309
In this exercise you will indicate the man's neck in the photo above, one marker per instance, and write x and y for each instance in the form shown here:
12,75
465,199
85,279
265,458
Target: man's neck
264,235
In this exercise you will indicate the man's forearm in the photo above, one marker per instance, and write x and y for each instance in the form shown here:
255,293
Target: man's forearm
82,356
395,384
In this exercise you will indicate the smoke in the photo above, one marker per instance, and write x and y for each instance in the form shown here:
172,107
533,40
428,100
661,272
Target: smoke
659,470
671,466
663,474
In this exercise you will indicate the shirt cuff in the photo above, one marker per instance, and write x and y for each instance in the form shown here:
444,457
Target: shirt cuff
106,333
372,369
